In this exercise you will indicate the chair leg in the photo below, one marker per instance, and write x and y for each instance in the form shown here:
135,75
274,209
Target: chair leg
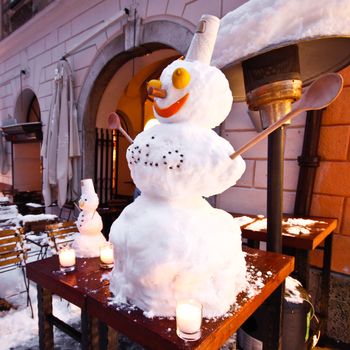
27,285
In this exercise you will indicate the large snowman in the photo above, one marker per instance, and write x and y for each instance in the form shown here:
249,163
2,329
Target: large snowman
90,238
170,243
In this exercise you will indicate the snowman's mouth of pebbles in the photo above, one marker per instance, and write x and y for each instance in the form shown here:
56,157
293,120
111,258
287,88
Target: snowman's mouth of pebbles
172,109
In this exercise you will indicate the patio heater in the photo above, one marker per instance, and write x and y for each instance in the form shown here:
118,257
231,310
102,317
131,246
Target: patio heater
271,80
272,83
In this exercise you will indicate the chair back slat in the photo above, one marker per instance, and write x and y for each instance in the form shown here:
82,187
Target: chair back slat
9,239
13,255
7,248
61,225
61,233
8,254
8,232
10,246
12,261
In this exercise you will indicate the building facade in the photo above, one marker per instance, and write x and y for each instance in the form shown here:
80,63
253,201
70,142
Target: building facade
110,71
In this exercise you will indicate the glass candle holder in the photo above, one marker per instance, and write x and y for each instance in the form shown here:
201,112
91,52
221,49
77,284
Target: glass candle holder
106,256
188,319
66,257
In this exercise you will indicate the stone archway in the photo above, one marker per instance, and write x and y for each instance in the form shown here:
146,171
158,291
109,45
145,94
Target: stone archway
155,36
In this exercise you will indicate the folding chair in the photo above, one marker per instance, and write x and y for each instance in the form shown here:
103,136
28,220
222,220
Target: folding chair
61,234
13,255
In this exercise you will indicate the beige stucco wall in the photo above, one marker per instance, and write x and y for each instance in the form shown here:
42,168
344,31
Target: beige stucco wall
39,44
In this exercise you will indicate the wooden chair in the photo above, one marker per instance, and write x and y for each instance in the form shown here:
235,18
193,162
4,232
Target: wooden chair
13,255
61,234
35,235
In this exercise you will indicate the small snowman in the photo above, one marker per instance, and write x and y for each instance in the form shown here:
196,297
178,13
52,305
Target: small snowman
87,243
170,243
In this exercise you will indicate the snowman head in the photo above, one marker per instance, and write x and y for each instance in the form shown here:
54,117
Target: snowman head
194,91
89,200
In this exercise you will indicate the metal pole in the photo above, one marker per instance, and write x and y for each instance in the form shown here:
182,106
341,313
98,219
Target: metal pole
273,305
275,190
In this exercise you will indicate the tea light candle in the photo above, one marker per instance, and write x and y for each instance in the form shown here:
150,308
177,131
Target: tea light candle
188,319
107,255
66,257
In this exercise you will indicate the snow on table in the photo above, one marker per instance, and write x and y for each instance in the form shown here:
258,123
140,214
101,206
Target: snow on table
35,205
293,226
38,217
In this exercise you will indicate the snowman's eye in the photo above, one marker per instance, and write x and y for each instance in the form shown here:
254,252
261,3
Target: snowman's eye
181,78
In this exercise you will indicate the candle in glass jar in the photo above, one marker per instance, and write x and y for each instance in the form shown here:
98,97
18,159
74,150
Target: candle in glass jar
188,319
107,255
66,258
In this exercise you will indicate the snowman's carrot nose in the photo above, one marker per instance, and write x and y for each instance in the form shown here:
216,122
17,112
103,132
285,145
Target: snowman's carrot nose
154,88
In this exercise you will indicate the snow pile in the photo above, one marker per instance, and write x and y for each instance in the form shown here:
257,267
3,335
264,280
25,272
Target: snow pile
4,199
8,212
89,239
293,290
177,250
259,24
170,243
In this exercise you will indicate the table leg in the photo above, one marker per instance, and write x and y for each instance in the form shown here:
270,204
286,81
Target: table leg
302,265
108,337
89,331
272,322
253,244
325,282
44,311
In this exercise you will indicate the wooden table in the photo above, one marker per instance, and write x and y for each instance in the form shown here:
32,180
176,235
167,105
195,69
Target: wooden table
300,246
72,287
85,289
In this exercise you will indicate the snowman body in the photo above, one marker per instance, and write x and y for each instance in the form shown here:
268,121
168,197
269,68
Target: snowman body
89,239
170,243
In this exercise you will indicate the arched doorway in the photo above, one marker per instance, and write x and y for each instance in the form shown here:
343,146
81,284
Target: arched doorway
126,95
25,134
116,82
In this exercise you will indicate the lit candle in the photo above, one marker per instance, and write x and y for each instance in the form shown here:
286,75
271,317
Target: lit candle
107,255
66,258
188,319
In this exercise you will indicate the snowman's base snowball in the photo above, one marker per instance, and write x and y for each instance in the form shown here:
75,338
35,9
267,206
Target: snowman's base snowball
88,246
169,250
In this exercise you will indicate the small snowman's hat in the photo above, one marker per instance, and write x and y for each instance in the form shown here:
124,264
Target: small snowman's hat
202,44
87,187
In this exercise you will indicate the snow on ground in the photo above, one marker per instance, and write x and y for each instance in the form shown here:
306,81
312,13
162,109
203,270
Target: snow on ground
18,330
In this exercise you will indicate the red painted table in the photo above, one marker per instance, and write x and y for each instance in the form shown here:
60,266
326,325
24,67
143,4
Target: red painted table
85,289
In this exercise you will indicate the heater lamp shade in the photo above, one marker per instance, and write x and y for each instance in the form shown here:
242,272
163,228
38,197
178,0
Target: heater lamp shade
320,29
317,56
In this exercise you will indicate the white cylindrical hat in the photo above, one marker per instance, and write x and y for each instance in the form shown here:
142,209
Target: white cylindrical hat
87,187
202,44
